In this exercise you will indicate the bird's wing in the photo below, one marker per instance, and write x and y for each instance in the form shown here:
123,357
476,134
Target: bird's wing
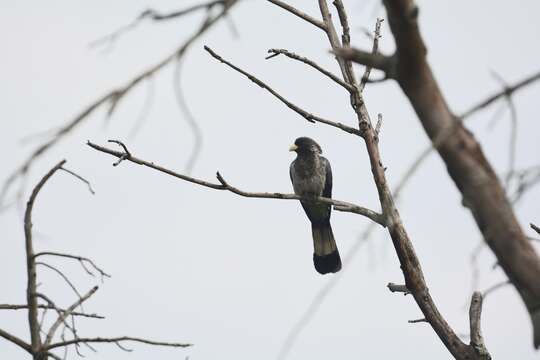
291,171
327,191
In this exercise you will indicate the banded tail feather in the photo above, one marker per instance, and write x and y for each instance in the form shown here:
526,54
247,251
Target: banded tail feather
326,255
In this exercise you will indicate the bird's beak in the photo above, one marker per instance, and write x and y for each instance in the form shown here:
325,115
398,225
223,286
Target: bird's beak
293,147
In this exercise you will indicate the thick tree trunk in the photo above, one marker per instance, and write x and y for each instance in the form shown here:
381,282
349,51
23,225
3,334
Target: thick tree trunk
482,191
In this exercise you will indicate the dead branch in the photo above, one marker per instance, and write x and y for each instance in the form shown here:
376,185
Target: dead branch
468,167
80,178
477,341
223,185
114,340
506,92
306,115
416,321
15,340
112,98
62,275
63,315
39,349
81,259
156,16
31,298
398,288
376,61
299,13
50,307
313,64
374,51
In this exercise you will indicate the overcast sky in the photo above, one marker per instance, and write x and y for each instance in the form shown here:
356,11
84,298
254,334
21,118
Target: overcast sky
233,275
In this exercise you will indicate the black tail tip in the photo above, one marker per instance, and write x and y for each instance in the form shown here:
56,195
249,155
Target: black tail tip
325,264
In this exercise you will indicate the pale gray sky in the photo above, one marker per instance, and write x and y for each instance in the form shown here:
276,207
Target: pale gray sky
229,274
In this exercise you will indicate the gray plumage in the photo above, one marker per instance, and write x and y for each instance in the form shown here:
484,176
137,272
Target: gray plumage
311,176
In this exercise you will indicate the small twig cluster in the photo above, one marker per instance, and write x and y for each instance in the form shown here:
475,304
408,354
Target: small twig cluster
42,340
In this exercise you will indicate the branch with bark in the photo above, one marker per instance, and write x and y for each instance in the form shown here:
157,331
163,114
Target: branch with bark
465,161
224,185
39,348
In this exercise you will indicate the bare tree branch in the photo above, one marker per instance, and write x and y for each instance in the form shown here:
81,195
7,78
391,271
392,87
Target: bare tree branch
374,61
475,312
299,13
482,192
506,92
62,275
223,185
155,16
306,115
276,52
374,51
80,178
331,33
112,98
398,288
63,315
80,259
15,340
50,307
416,321
114,340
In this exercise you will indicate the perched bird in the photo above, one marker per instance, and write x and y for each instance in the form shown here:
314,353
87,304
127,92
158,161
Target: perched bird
311,176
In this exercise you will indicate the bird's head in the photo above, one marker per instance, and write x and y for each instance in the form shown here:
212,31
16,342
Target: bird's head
305,146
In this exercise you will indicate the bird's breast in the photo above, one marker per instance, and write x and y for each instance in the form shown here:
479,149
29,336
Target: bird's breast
308,179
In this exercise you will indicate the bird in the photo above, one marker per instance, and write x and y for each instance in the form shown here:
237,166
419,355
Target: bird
311,176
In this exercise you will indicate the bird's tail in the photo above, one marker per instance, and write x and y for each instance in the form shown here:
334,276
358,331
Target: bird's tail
326,255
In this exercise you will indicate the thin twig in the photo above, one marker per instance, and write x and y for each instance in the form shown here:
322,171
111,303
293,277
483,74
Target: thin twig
276,52
374,51
508,91
63,315
50,307
155,16
114,340
81,260
15,340
299,13
62,275
80,178
416,321
398,288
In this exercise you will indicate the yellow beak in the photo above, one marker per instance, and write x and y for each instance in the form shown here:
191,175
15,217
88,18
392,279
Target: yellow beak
293,147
